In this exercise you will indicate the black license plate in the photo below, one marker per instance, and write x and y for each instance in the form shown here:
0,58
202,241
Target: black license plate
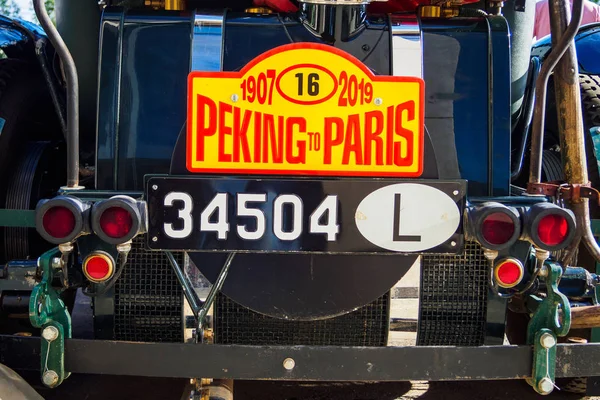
298,215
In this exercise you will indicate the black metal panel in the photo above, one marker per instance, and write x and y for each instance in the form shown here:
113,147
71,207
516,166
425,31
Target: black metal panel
144,63
148,298
367,326
325,363
454,295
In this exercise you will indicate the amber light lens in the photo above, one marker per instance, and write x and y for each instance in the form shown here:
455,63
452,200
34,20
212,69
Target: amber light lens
553,229
98,268
497,228
59,222
116,222
508,273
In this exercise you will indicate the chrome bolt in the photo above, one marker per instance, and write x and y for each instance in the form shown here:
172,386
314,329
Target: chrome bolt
154,187
56,263
50,378
547,340
378,101
155,239
545,386
235,98
453,243
50,333
456,192
289,364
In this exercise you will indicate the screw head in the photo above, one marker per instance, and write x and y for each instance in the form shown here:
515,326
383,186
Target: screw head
289,364
545,386
547,340
234,98
155,239
50,333
378,101
154,187
50,378
453,243
456,192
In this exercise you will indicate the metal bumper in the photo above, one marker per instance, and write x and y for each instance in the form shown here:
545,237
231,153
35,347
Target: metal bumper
310,363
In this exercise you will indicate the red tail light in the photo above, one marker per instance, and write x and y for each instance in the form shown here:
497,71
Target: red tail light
508,273
553,229
498,228
98,267
116,220
550,226
58,222
494,225
61,219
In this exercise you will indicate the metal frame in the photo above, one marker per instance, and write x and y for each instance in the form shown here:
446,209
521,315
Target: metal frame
325,363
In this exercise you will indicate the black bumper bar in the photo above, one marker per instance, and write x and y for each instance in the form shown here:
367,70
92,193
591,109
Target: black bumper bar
311,363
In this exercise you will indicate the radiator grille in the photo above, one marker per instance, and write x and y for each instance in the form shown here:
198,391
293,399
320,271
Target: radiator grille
148,298
367,326
453,303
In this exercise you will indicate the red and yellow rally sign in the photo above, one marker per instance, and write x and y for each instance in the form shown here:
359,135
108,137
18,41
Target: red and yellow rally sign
305,109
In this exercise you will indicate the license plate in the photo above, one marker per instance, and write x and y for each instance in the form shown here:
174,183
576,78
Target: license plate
320,216
305,109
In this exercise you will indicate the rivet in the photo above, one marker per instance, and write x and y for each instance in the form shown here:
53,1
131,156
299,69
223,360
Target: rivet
289,364
547,340
50,378
453,243
456,192
234,98
50,333
154,187
545,386
378,101
155,239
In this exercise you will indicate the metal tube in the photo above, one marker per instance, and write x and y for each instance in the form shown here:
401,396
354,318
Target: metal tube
568,101
570,126
527,116
70,71
582,214
188,290
537,138
210,298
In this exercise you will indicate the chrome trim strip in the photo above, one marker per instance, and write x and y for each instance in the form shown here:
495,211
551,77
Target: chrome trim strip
207,42
407,48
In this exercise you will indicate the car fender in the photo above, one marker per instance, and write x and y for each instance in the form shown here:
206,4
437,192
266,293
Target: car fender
587,45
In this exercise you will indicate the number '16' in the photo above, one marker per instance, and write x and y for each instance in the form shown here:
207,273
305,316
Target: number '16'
323,220
312,84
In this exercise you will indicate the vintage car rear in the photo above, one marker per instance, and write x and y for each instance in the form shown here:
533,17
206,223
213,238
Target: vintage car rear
247,183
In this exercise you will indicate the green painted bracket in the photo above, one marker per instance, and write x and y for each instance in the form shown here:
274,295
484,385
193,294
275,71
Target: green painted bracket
48,312
17,218
544,361
544,327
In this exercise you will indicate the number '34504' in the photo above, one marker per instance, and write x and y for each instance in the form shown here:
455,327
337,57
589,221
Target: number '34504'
214,217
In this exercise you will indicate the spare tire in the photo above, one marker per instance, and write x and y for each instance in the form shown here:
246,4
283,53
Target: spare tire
26,114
